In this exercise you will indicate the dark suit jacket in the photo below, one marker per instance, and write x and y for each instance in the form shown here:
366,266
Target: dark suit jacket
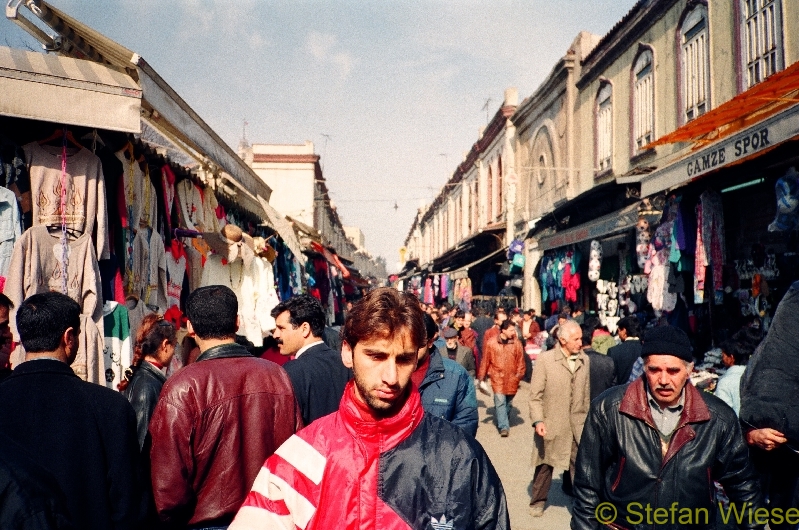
83,434
318,377
625,355
30,497
601,373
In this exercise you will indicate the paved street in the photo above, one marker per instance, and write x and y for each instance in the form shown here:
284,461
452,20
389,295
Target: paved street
511,457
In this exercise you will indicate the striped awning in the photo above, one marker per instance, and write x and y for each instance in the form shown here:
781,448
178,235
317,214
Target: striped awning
68,91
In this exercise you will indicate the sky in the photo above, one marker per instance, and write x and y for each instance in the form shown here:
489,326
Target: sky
392,93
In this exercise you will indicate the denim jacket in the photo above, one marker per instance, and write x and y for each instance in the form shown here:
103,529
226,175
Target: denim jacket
10,227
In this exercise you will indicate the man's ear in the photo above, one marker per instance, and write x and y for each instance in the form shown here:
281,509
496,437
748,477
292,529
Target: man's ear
306,330
189,329
346,354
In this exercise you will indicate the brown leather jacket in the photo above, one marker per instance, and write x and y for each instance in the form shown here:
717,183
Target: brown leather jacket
217,421
504,363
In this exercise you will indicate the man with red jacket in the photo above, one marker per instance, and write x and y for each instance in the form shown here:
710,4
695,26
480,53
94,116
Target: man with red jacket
380,461
217,419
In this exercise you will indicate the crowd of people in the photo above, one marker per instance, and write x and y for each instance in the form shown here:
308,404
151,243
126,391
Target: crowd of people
375,426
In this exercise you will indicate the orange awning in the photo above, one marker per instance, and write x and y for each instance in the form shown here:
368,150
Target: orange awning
763,100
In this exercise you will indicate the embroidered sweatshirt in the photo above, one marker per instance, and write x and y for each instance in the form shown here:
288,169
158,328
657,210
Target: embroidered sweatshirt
85,193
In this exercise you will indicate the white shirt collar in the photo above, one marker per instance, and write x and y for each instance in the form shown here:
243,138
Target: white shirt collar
306,348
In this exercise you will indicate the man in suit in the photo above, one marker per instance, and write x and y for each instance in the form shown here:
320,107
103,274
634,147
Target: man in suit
317,372
82,434
626,353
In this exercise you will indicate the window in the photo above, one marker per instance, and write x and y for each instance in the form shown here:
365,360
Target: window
643,100
490,196
475,207
604,126
695,71
500,185
761,39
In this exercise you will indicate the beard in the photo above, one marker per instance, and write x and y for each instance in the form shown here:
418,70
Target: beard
381,408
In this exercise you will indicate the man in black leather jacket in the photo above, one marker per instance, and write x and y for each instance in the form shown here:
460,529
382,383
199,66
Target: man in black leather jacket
651,450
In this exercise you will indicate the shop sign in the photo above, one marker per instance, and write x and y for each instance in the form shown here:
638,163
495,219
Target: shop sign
757,138
604,226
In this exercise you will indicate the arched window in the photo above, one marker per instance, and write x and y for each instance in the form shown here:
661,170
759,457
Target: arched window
643,100
762,39
604,127
695,63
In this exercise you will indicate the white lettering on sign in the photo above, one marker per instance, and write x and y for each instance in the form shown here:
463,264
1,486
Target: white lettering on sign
749,144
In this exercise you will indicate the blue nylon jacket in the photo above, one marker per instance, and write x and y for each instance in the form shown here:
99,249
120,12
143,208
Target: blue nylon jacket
448,392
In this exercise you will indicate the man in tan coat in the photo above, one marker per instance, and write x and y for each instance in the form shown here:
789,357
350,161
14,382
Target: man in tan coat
559,400
503,361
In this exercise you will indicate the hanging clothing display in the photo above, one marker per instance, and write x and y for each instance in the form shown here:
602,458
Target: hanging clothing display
116,338
251,286
84,196
190,201
137,310
10,227
37,266
710,247
155,292
176,264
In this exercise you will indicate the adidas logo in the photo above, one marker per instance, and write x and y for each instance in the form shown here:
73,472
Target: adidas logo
441,524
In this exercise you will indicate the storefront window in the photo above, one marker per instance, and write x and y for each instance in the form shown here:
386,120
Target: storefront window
695,70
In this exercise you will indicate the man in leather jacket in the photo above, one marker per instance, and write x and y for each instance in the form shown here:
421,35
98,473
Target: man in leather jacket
217,419
651,450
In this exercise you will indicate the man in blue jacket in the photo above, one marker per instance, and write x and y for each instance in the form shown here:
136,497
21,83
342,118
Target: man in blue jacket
446,388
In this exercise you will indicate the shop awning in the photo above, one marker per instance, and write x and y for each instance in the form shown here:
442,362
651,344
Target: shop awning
463,272
67,91
751,123
610,224
284,230
163,108
331,258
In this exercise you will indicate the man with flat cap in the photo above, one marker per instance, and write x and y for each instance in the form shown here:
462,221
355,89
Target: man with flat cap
651,449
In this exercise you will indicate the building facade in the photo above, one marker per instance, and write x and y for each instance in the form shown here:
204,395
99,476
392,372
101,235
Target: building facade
472,217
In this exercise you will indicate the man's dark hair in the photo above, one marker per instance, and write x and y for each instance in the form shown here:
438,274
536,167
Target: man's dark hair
303,308
460,314
630,325
381,314
588,335
430,326
212,311
43,318
506,324
6,302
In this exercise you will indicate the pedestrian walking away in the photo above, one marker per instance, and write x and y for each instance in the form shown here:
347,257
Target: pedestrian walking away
217,420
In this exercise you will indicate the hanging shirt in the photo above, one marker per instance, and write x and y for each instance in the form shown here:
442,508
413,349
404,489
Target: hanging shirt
10,227
85,192
117,351
175,270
